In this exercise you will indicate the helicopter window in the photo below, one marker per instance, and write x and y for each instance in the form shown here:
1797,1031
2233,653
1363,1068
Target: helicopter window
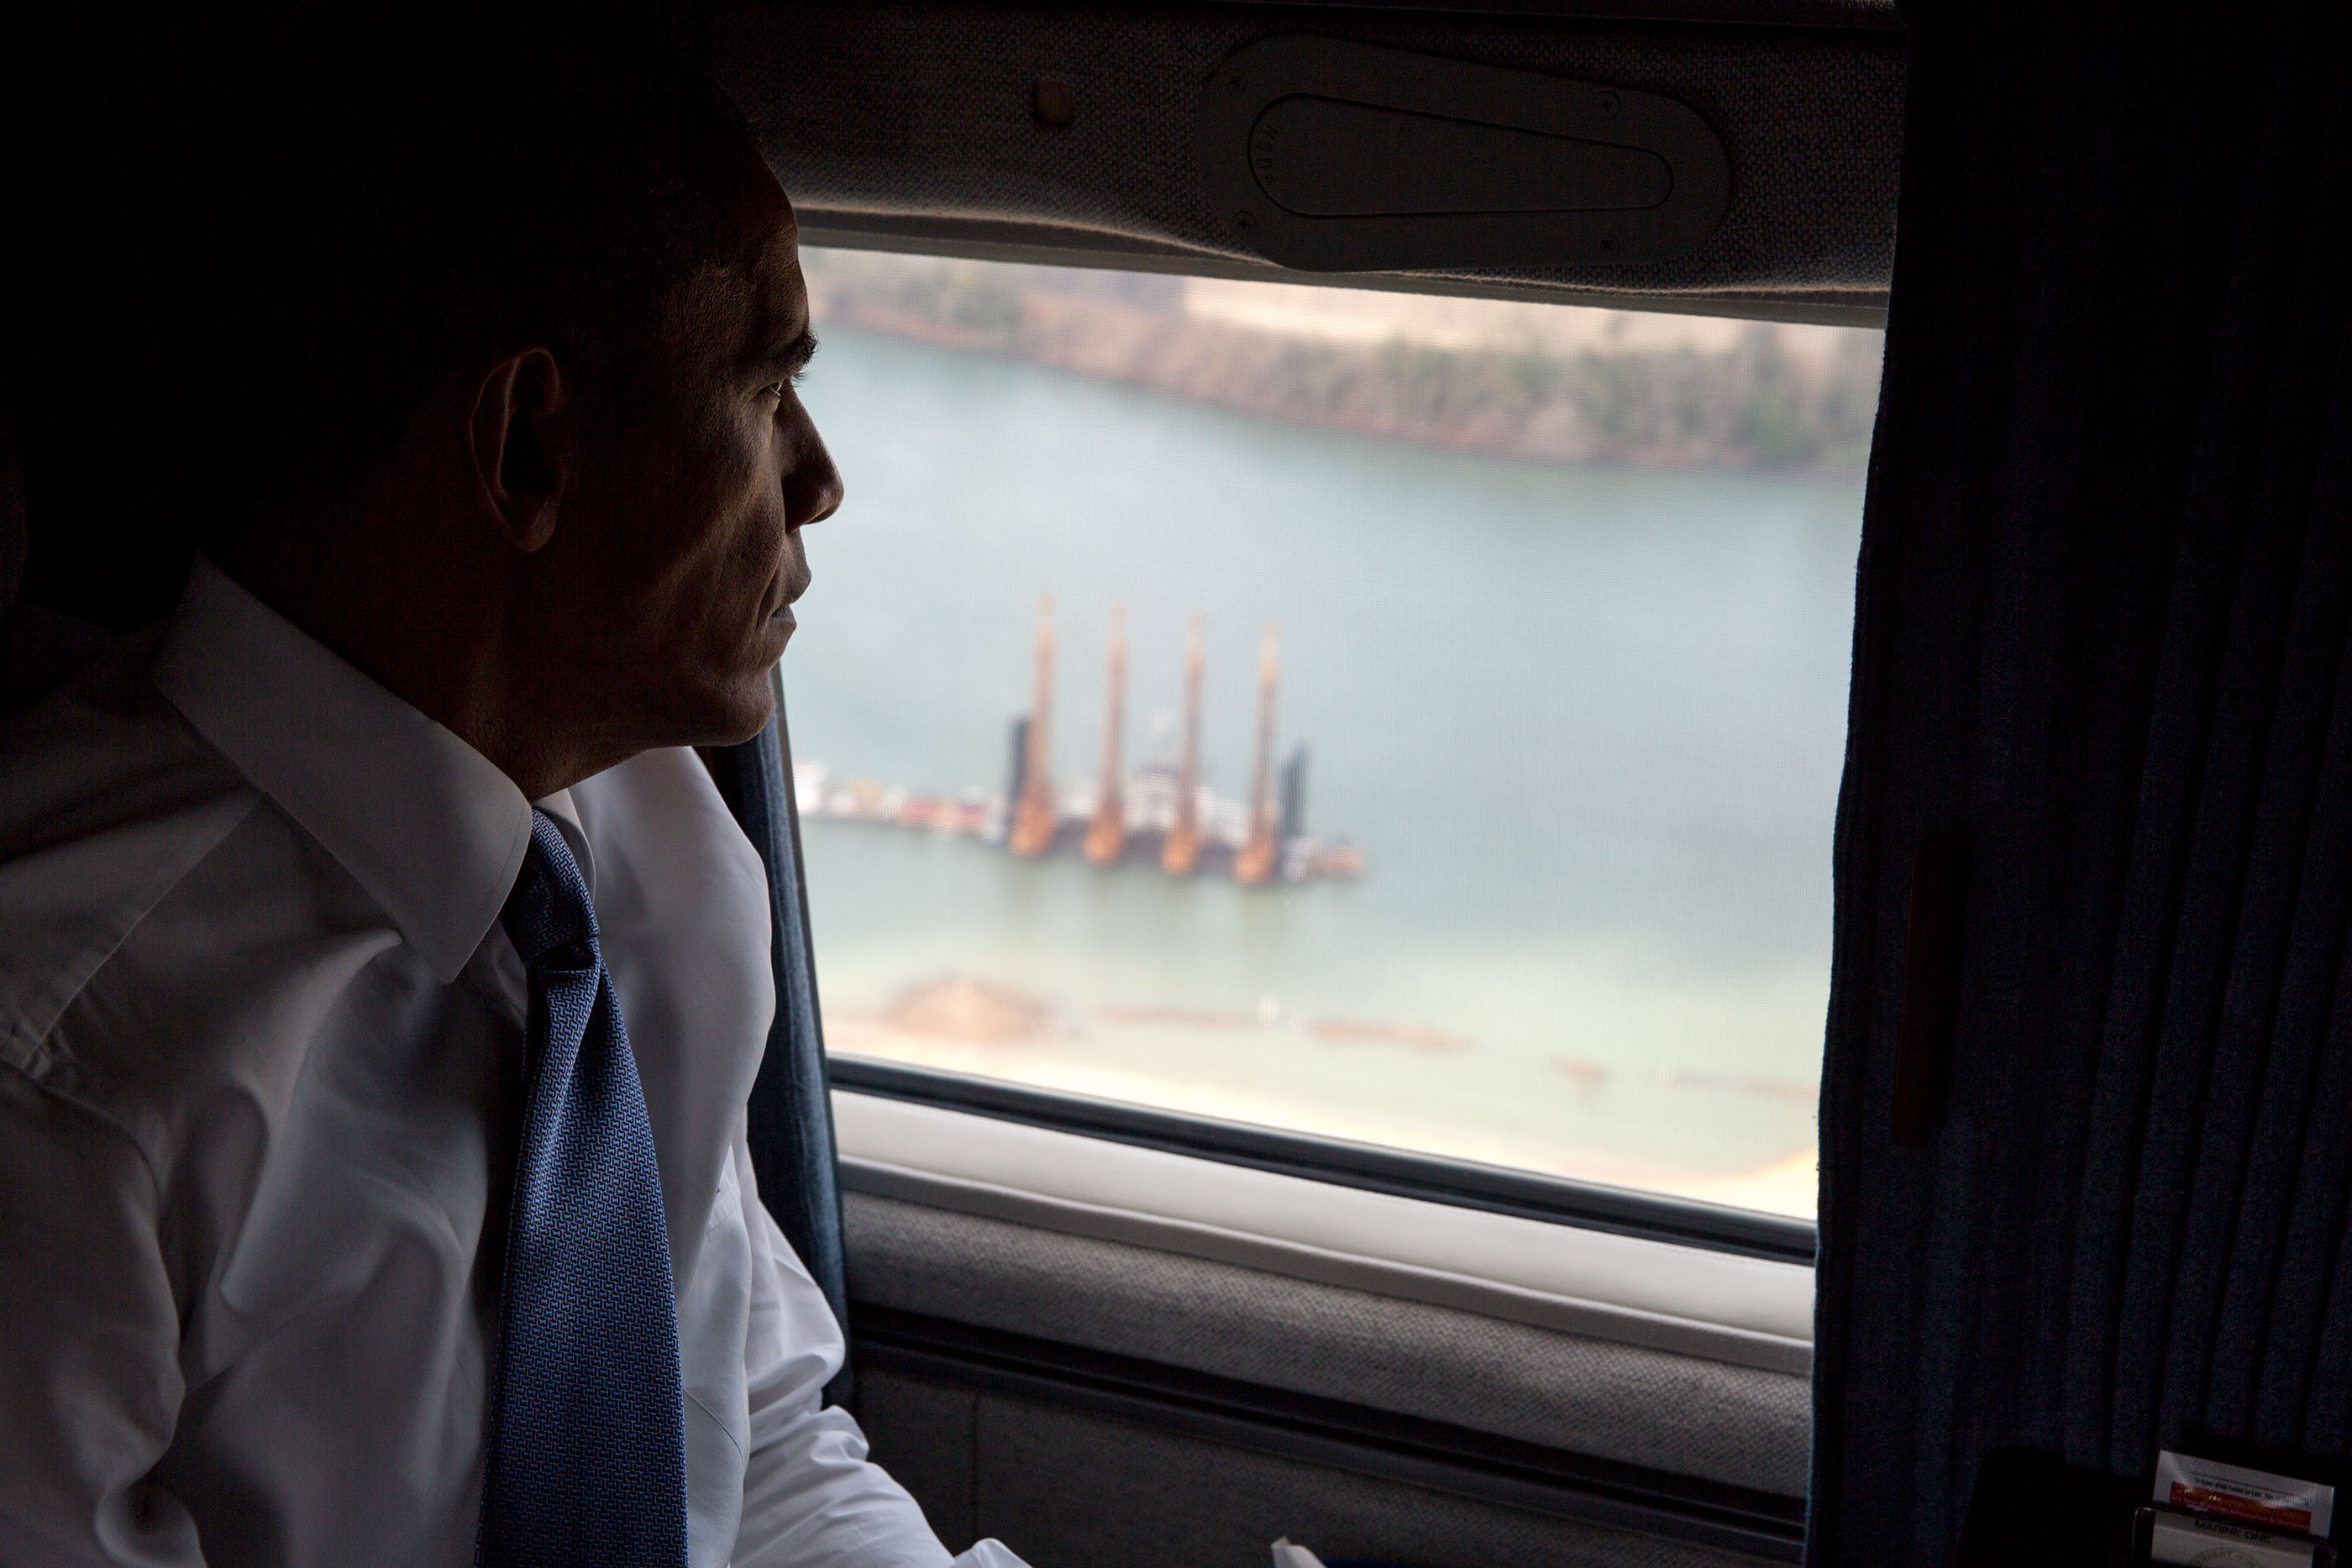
1408,720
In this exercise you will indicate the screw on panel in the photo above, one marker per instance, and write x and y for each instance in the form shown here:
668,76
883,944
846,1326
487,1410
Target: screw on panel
1241,220
1606,103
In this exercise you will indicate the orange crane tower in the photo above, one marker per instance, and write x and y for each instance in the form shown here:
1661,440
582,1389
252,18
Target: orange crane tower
1032,814
1256,862
1107,835
1181,853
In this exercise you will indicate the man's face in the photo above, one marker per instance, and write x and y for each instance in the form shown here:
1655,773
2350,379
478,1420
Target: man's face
699,469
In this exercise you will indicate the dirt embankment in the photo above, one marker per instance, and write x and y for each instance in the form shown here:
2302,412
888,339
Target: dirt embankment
1754,404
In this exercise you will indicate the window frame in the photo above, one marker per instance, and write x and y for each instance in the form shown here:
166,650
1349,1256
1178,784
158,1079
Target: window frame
1525,1194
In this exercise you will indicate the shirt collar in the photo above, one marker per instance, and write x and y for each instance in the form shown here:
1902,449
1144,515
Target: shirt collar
430,827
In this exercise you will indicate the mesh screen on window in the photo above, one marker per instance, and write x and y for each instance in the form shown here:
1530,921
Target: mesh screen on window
1404,719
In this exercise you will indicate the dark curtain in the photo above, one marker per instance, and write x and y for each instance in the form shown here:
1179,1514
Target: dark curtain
2101,637
789,1118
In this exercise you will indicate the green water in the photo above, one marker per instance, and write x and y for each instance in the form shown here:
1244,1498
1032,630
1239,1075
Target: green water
1586,726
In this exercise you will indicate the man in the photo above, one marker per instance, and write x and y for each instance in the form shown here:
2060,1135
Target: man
381,978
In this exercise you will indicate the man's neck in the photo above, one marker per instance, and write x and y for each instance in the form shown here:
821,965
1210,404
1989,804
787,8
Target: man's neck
439,622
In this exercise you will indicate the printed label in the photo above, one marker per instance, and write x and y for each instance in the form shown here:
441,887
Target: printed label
2218,1490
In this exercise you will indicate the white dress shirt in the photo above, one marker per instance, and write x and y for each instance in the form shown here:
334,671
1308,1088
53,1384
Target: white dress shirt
260,1042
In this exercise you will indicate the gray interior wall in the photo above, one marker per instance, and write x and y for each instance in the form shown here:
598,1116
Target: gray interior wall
1071,1489
1734,1425
913,119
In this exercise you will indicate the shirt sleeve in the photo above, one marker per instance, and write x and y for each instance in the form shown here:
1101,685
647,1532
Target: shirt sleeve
811,1497
90,1370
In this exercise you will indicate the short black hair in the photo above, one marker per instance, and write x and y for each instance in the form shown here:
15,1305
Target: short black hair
388,203
290,228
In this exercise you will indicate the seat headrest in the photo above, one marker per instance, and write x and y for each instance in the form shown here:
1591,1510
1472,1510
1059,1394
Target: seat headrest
15,539
38,648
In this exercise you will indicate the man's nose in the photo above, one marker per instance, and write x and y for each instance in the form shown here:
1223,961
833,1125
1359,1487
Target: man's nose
812,487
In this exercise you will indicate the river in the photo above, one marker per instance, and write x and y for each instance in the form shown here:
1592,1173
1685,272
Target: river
1586,726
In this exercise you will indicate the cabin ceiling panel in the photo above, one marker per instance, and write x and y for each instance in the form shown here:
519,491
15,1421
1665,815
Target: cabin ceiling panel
918,126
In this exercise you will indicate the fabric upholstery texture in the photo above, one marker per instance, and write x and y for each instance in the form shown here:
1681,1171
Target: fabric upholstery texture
1068,1489
1703,1418
2106,564
924,1434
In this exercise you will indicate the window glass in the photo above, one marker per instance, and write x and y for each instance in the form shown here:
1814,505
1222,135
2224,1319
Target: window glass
1408,719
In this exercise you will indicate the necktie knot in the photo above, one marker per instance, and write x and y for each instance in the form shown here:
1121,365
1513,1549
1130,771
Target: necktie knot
548,916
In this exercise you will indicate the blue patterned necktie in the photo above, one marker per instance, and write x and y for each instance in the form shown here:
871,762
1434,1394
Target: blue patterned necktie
586,1462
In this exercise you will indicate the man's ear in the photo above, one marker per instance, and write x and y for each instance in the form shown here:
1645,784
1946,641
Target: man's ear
522,445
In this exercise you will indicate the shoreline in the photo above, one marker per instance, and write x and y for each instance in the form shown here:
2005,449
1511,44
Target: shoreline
1679,409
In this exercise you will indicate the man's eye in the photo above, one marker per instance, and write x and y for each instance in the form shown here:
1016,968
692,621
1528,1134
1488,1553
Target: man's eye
776,389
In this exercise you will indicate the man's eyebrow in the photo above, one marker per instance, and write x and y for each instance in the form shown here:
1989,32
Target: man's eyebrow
792,355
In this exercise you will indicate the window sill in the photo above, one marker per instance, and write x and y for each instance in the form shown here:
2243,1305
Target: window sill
1691,1301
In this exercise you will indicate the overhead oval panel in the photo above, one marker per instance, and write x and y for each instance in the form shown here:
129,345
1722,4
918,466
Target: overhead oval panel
1334,157
1322,158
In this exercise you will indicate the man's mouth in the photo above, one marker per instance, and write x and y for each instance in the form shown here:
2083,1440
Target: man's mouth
790,586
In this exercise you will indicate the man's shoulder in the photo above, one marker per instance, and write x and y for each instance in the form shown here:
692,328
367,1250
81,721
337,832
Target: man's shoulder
107,799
